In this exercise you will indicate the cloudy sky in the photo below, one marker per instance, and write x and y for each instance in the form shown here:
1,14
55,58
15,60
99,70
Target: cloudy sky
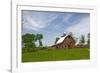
53,24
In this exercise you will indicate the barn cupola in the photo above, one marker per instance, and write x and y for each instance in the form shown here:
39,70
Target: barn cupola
70,34
64,34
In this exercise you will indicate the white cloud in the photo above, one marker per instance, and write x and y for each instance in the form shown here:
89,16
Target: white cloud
83,27
67,17
52,17
36,23
30,23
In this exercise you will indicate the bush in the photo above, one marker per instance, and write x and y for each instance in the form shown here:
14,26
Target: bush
43,48
24,50
30,47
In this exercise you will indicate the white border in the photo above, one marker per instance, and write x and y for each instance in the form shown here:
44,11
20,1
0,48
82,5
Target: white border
17,66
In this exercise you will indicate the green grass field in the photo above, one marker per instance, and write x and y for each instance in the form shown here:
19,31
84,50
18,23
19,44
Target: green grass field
56,55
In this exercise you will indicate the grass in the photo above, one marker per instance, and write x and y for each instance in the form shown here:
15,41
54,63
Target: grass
56,55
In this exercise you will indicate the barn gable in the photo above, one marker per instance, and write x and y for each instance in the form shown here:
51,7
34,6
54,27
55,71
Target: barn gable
65,42
61,40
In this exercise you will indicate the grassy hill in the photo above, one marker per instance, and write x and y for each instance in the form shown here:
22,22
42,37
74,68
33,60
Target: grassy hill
56,55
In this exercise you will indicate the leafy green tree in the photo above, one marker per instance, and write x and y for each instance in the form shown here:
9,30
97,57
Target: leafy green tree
28,38
39,37
82,40
29,41
57,38
88,38
29,46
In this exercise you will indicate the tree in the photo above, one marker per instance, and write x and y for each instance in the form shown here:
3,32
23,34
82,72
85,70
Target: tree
39,37
28,38
57,38
88,36
82,40
29,46
29,41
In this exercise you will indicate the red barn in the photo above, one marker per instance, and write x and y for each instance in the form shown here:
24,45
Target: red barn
65,42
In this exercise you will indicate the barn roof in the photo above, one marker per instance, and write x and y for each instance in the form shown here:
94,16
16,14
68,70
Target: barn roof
61,39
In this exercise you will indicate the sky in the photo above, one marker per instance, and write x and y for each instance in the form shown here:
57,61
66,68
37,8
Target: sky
54,24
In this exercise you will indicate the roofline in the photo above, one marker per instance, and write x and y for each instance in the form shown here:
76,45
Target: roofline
61,42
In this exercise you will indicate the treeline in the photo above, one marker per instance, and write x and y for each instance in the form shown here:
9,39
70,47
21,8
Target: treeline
28,41
83,40
80,40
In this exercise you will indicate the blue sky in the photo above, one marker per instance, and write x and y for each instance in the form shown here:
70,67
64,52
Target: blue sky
53,24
